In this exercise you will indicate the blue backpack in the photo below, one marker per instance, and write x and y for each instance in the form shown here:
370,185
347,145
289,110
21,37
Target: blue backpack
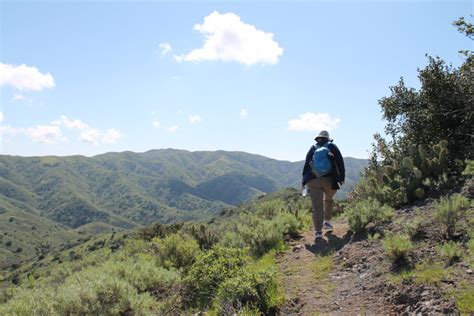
321,165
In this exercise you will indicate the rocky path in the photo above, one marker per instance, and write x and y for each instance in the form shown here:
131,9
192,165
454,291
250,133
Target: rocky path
333,276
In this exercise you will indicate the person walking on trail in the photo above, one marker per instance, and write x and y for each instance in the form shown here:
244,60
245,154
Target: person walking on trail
323,174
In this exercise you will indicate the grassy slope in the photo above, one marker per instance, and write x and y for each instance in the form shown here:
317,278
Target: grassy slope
127,189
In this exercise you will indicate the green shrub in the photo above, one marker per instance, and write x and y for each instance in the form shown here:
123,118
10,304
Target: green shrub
260,235
177,251
209,271
287,224
397,247
97,292
144,274
245,289
450,251
361,213
465,299
449,211
269,209
415,228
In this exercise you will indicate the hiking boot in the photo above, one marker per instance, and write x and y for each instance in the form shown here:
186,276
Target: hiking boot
327,225
319,235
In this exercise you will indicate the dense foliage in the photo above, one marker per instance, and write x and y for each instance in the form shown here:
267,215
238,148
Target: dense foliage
164,269
51,202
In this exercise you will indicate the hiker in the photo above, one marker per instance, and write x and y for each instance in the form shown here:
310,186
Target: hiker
324,174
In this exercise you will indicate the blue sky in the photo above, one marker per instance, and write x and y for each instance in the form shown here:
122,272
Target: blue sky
261,77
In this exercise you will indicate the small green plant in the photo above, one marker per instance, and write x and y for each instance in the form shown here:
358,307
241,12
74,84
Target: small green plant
465,299
449,211
177,251
450,251
397,247
361,213
210,270
415,228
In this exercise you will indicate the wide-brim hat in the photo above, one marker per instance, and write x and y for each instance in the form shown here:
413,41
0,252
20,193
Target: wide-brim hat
322,134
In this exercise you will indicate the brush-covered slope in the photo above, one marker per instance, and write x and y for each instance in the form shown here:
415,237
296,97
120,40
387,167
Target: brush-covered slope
129,189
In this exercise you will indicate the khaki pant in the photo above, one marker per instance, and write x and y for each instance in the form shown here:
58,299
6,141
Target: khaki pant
321,190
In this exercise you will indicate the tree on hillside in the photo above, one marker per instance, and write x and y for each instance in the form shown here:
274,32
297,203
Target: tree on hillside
441,109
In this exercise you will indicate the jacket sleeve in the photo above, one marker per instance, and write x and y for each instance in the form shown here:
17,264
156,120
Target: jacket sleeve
339,163
307,166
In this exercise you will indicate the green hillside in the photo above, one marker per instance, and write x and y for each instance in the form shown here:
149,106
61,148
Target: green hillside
52,202
129,189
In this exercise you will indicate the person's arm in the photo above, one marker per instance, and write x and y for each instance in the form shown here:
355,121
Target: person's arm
339,162
307,166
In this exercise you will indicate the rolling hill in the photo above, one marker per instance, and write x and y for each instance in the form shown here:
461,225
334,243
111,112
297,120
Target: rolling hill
59,195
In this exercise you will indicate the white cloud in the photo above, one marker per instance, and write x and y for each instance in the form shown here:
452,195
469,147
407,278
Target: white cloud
53,134
9,130
91,136
243,114
72,124
227,38
24,77
111,136
46,134
156,124
313,122
193,119
88,134
165,48
173,129
1,117
18,97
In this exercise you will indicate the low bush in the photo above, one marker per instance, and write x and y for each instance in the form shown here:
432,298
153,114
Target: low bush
144,274
361,213
415,229
177,251
449,211
397,247
450,251
209,271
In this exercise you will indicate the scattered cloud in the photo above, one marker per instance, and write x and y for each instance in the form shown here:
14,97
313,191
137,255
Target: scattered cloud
227,38
173,129
313,122
72,124
156,124
9,130
165,48
18,97
89,134
1,117
96,137
193,119
111,136
24,77
243,114
46,134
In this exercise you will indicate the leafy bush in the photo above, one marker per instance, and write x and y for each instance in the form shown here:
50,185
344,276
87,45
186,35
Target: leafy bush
209,271
245,289
450,251
449,211
269,209
415,229
144,274
287,224
177,251
397,247
205,237
260,235
361,213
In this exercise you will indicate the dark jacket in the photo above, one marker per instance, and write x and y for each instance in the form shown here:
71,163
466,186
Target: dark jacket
338,173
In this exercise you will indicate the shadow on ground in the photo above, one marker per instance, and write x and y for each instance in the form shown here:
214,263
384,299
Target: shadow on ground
331,243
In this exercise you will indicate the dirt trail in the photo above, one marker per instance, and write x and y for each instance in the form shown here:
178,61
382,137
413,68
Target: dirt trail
333,276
